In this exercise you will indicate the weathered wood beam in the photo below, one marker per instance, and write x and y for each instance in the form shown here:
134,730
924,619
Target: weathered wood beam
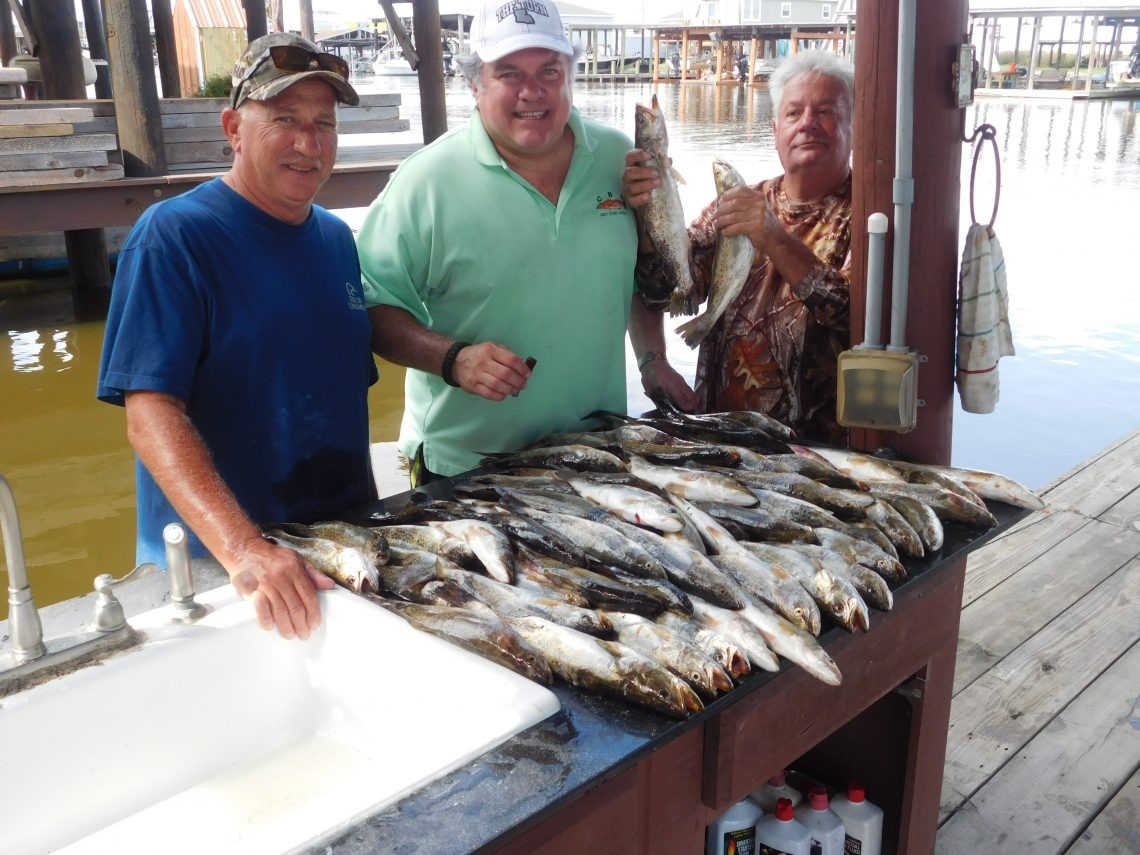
166,48
136,93
61,67
429,45
97,46
256,24
933,269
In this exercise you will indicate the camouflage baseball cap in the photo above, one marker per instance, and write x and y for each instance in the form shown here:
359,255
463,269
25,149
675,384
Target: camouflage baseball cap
273,63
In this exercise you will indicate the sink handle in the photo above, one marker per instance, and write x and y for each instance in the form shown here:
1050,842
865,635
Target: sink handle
108,610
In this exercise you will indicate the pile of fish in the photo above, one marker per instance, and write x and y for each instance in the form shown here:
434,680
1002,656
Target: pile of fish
656,559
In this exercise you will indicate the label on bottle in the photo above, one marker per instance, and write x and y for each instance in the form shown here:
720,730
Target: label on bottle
763,849
740,842
852,845
816,847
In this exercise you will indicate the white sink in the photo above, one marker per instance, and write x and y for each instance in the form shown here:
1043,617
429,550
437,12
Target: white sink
221,737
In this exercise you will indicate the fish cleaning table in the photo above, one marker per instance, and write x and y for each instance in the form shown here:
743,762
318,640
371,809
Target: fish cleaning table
602,775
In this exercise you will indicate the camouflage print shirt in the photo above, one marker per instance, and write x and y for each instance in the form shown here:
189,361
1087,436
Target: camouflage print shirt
774,349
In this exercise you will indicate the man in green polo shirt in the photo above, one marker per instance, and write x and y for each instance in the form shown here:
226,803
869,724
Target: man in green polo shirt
503,241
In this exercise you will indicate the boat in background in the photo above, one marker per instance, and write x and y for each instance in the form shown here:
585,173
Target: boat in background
390,61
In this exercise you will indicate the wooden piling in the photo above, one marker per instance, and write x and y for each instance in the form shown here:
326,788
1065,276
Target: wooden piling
61,67
256,23
429,46
934,251
136,94
164,44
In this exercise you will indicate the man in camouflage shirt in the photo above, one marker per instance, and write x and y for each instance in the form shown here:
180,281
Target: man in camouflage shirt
774,349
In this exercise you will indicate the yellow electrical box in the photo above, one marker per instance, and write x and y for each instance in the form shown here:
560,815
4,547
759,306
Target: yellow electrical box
878,389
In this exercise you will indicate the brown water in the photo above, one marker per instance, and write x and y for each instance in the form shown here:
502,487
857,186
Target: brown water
66,455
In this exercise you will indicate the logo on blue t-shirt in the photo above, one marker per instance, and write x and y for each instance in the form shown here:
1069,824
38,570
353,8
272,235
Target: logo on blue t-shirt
355,301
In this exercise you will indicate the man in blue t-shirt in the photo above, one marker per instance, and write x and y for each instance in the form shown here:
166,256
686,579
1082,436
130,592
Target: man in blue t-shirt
238,342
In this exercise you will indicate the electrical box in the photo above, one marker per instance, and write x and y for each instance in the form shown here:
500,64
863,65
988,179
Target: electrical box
878,389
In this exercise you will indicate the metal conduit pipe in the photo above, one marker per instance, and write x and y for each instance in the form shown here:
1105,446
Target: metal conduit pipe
903,188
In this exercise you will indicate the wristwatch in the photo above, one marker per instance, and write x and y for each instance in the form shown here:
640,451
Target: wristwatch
647,357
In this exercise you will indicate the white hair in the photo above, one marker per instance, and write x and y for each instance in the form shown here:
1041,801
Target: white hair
810,62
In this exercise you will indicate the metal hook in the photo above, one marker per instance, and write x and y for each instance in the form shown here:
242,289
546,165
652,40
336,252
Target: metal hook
982,134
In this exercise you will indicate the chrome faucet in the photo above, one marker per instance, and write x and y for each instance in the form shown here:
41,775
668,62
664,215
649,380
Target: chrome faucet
187,610
32,661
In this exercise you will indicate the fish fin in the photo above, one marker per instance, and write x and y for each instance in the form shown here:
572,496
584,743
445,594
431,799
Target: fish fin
677,176
682,303
694,331
609,417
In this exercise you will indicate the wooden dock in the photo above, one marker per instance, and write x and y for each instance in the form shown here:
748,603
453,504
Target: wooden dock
1044,740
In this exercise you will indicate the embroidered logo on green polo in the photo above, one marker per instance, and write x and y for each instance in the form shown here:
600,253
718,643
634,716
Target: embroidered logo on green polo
610,205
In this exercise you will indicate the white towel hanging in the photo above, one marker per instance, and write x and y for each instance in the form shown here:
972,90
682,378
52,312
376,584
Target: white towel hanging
984,334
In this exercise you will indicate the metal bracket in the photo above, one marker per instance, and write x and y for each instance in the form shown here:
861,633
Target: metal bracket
964,76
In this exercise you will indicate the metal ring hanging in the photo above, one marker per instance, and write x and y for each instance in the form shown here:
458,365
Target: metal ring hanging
981,134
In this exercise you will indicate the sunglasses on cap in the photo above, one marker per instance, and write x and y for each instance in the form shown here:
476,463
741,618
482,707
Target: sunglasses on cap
294,59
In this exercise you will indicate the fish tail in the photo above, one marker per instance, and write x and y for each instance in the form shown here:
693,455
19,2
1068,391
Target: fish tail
695,331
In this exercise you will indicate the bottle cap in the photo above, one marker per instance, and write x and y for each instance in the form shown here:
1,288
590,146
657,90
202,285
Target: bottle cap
855,792
784,810
818,798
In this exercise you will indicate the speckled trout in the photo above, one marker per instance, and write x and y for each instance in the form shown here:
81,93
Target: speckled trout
663,219
732,261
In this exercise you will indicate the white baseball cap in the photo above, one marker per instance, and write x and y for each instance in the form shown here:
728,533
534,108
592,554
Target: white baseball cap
502,27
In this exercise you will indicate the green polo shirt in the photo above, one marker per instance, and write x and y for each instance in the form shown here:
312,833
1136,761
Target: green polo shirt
473,251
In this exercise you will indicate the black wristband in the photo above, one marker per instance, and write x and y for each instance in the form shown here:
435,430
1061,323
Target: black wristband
446,370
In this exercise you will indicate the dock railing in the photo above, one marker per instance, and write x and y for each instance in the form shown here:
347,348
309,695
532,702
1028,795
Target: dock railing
61,167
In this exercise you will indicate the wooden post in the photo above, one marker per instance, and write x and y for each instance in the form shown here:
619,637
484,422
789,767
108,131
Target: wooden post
307,29
656,65
137,112
1033,53
752,61
684,54
934,220
1092,54
166,48
7,35
1080,47
97,46
256,24
429,46
396,27
62,69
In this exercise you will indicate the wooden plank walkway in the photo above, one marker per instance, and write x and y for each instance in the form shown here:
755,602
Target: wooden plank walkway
1043,750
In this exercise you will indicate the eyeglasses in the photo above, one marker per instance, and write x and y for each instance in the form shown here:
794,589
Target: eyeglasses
294,58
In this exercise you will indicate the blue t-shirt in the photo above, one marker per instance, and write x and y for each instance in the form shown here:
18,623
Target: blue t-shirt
260,327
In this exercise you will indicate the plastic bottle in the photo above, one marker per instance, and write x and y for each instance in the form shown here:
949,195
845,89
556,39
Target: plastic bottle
782,834
774,789
825,828
862,821
734,832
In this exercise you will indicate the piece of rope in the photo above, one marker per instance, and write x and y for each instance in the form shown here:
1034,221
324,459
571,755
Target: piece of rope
981,134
